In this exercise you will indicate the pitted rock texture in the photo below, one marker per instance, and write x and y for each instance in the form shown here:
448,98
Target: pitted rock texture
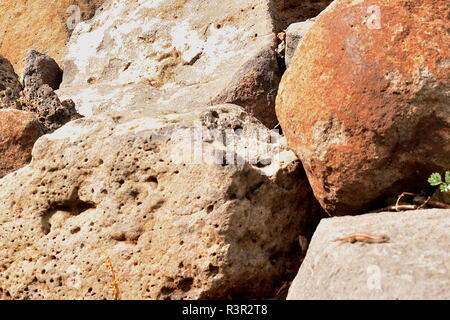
40,25
115,188
9,84
365,102
414,264
41,69
50,111
37,96
18,132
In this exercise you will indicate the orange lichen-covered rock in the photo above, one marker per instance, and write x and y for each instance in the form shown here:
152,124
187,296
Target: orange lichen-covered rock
365,102
19,130
41,25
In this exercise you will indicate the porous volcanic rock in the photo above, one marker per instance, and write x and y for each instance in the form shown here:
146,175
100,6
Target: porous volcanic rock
413,264
18,132
37,96
50,111
365,102
181,199
174,222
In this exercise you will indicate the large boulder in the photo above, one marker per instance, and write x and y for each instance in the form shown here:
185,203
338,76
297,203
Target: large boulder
196,205
158,53
365,102
19,130
143,54
414,263
40,25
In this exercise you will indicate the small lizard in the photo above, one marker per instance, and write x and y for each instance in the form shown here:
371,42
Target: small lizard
364,238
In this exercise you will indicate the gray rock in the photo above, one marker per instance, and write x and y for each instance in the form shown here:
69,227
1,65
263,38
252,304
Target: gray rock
413,264
254,87
41,69
294,34
38,96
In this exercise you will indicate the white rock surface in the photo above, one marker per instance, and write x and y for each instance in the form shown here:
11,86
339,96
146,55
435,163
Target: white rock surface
142,54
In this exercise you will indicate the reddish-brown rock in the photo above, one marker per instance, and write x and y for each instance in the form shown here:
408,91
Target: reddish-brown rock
365,102
19,130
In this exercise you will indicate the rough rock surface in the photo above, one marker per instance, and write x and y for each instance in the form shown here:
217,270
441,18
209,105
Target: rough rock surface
414,264
41,69
365,102
116,188
18,132
9,84
294,34
144,53
37,96
51,112
40,25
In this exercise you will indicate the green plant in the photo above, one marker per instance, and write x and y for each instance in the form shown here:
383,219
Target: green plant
436,180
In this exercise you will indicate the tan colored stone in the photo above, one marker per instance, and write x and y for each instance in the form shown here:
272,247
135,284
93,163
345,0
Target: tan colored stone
115,187
365,102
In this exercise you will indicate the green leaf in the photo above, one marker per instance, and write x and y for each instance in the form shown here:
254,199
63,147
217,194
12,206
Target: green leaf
447,176
445,187
435,179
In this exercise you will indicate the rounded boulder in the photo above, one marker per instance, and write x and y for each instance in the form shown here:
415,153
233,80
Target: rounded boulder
365,101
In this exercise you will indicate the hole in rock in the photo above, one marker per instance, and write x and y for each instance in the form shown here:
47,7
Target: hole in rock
185,284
